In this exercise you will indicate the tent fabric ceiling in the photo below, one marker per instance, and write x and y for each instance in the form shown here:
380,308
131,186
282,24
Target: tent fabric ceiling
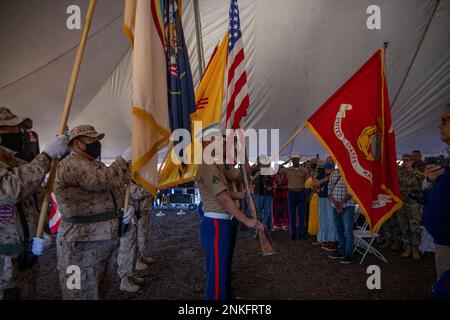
298,53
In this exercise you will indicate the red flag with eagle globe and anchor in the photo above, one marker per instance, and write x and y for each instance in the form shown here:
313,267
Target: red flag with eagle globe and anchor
355,127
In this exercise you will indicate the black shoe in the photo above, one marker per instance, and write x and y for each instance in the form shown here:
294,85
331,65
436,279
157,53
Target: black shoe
346,260
302,238
293,237
336,256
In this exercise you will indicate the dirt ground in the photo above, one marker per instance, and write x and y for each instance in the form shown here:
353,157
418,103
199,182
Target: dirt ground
300,270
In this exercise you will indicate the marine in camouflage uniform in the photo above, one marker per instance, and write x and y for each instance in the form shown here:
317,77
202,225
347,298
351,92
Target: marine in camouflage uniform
20,185
409,218
20,188
133,242
89,195
391,233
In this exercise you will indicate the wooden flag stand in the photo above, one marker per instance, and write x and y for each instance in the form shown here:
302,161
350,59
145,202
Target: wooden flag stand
66,112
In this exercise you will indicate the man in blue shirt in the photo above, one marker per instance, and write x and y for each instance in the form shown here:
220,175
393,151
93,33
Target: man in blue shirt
436,210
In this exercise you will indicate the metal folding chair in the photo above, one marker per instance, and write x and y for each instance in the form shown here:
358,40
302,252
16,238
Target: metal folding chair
364,241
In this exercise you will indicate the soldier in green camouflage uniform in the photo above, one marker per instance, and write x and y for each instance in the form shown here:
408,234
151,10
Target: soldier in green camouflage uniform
410,182
133,242
20,193
89,195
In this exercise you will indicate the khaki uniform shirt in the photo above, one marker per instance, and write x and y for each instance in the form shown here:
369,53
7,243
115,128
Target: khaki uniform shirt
83,188
296,177
211,181
20,182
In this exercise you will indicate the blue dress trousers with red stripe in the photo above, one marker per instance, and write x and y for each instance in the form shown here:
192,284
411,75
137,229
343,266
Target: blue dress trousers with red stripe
216,237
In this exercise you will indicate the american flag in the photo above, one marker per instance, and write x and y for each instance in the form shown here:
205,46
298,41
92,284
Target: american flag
238,99
55,216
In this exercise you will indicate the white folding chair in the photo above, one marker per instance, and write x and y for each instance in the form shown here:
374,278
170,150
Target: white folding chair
364,240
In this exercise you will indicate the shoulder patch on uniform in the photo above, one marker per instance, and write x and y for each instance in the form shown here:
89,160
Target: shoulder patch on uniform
7,213
215,179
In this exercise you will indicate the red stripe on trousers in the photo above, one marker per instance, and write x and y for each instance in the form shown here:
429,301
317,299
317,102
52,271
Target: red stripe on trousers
216,254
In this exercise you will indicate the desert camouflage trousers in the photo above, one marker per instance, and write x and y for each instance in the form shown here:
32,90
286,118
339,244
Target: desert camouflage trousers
15,284
390,230
132,245
96,261
409,219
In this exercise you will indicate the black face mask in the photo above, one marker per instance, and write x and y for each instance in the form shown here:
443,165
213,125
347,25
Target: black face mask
94,149
12,141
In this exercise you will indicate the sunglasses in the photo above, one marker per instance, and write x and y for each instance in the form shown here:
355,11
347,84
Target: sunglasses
444,120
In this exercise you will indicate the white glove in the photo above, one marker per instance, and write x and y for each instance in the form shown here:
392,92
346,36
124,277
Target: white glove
57,147
128,215
37,246
126,155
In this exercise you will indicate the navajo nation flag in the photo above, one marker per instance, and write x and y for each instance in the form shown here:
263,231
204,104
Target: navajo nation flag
238,99
144,25
355,127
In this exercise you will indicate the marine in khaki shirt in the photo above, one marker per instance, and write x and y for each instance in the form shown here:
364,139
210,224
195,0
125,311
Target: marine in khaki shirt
216,229
296,176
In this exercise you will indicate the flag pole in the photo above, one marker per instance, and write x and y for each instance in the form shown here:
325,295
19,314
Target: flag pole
198,33
66,111
296,133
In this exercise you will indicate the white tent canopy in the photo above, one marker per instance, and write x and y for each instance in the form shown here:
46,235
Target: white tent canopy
298,54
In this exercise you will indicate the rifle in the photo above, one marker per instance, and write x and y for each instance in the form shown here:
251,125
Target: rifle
264,238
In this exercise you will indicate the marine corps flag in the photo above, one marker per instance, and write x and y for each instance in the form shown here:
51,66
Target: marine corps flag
144,25
355,127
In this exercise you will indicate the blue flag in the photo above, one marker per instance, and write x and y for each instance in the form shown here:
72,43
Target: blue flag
179,76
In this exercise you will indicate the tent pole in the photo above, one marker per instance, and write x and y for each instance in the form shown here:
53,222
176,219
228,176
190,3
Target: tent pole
417,52
199,37
289,141
65,115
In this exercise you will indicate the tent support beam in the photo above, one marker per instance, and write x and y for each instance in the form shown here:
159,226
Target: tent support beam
296,133
66,111
199,37
417,51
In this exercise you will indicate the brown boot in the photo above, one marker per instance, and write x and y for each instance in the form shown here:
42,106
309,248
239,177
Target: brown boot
128,286
407,252
141,266
137,280
415,252
146,260
386,245
396,246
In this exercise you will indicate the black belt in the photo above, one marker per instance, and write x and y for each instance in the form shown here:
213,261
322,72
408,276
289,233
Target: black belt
11,249
105,216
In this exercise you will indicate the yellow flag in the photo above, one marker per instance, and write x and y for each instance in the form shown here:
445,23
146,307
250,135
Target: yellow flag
208,102
143,24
